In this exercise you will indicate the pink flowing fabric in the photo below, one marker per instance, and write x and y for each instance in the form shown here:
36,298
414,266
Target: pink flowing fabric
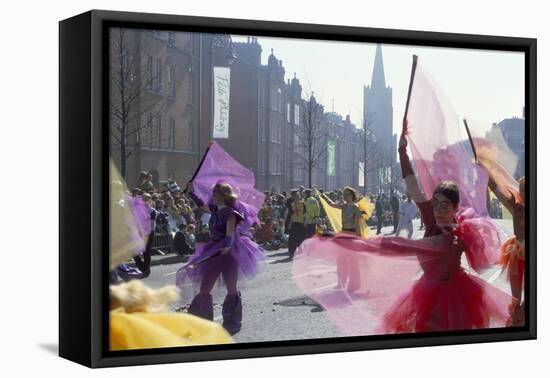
439,145
494,155
394,285
403,285
217,166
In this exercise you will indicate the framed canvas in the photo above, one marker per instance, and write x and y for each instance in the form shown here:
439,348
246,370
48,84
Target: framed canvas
235,188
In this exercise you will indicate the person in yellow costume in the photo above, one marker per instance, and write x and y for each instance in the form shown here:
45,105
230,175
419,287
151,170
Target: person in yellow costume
138,316
349,217
139,320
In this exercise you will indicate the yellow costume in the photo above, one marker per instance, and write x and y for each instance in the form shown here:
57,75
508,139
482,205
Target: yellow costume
334,215
142,330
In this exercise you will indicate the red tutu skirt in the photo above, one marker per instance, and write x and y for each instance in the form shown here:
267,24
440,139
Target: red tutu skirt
462,302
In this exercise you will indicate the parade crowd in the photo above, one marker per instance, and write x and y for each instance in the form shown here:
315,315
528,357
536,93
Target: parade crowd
285,219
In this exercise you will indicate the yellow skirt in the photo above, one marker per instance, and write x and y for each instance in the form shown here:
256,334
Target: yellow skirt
140,330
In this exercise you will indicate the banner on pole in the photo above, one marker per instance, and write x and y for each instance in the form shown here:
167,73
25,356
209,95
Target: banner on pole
331,156
221,102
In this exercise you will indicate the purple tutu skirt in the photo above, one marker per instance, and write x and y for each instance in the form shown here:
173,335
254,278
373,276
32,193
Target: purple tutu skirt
244,251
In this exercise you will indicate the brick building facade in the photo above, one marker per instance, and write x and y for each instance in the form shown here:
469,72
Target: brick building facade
169,77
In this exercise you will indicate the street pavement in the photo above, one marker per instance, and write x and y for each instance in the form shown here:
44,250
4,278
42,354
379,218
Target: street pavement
273,307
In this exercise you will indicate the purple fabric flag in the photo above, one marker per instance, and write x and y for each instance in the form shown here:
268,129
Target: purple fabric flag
219,166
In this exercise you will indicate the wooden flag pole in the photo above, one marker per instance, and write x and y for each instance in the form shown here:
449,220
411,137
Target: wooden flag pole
200,164
411,81
202,261
470,138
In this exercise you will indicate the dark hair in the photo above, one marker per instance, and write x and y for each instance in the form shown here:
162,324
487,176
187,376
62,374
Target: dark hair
449,190
352,191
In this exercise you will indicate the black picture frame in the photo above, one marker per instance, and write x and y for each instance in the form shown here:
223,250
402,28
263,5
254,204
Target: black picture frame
83,166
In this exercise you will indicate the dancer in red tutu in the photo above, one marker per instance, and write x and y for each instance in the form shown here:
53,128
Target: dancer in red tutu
447,297
419,285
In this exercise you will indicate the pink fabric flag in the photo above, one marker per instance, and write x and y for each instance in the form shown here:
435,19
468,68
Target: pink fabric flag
218,165
440,146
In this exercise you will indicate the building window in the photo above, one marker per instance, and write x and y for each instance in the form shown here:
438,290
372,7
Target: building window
263,163
149,130
156,33
279,100
262,95
273,99
157,78
190,137
171,39
124,66
149,72
172,82
288,112
172,134
190,84
157,129
263,128
277,127
296,115
273,129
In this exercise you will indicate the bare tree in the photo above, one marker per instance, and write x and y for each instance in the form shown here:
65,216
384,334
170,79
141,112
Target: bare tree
312,136
135,92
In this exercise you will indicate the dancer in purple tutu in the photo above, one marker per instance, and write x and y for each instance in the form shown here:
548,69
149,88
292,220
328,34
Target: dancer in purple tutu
224,188
230,253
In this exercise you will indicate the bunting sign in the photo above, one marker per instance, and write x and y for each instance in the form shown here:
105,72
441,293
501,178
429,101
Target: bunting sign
221,102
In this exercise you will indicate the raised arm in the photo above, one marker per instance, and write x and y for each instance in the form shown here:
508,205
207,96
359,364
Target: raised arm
408,173
330,202
501,182
199,202
505,193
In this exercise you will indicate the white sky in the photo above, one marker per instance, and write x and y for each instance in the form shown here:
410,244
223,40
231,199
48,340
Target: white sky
483,85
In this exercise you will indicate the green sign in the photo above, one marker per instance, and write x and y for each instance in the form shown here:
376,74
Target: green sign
331,157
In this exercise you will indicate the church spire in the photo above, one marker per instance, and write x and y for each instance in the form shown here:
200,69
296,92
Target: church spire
378,77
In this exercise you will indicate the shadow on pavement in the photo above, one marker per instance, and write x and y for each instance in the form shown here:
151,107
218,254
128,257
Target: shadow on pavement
164,260
288,259
301,301
280,254
169,260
